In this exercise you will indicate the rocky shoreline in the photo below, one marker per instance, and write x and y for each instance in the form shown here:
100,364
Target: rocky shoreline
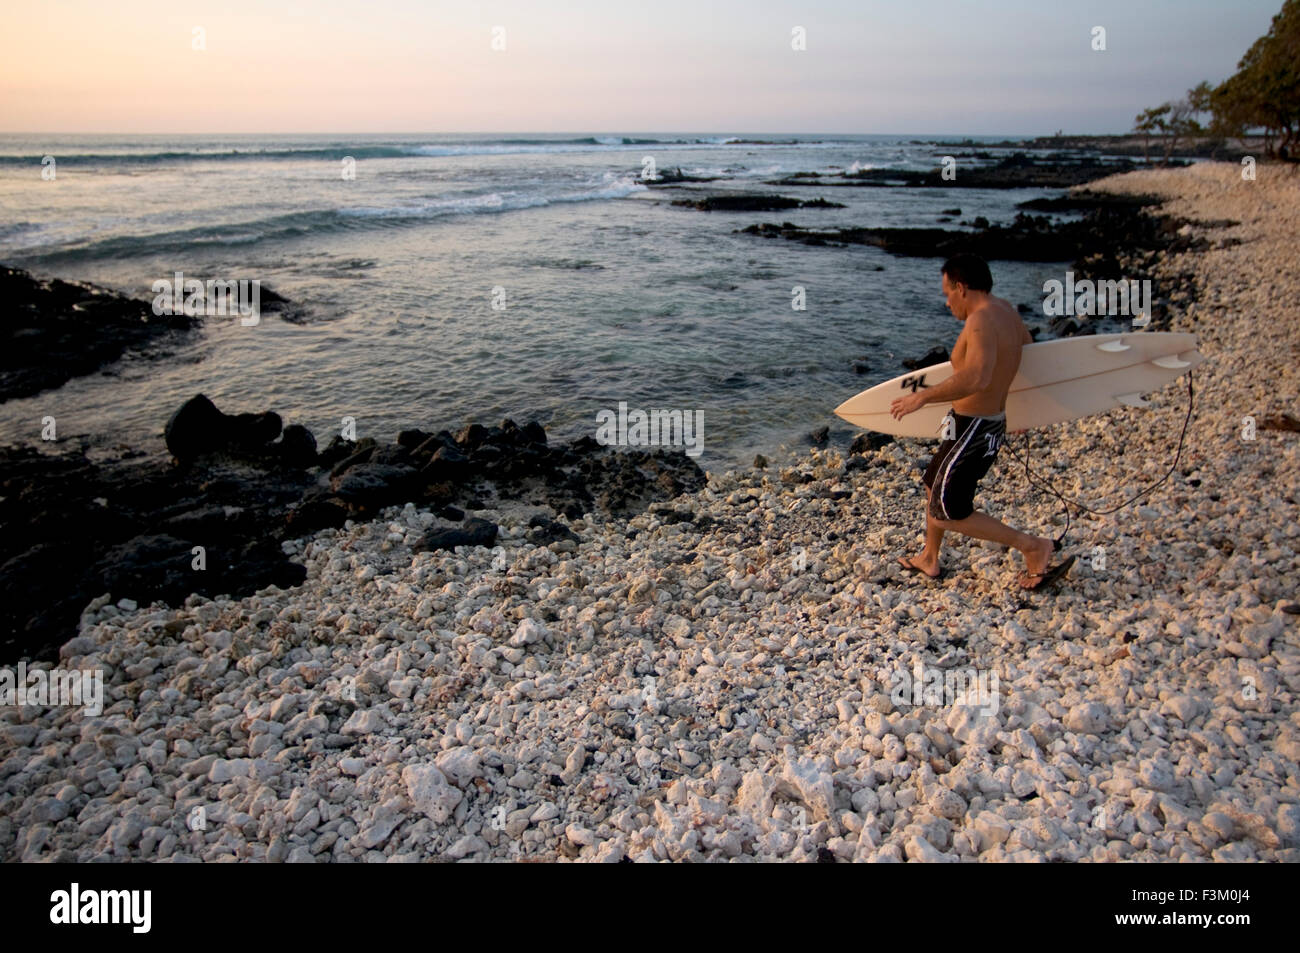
1117,237
238,486
718,678
1021,170
57,330
74,528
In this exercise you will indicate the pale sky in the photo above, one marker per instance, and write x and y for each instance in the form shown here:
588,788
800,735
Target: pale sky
1016,67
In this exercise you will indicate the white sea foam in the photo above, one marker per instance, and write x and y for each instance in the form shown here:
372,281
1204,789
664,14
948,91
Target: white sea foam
613,186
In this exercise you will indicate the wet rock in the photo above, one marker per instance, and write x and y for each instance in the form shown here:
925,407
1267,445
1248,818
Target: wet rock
297,446
869,442
751,202
936,355
60,330
369,486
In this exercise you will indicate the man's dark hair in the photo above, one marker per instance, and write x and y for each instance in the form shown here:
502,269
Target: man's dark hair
969,270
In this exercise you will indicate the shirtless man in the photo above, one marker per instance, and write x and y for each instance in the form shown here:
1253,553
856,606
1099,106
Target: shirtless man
985,360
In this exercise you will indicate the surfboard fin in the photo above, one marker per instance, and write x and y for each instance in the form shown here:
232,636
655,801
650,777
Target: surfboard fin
1114,346
1171,361
1132,400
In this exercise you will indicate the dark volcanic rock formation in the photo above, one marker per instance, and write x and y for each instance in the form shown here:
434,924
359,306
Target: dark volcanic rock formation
1093,242
213,520
1018,171
752,202
53,331
56,330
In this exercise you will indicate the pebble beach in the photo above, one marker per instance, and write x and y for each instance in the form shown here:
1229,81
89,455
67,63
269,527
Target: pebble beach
718,679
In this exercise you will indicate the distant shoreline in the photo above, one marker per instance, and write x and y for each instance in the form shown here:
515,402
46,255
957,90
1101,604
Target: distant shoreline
1125,144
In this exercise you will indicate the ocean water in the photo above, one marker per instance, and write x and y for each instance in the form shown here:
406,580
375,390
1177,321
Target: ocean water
610,293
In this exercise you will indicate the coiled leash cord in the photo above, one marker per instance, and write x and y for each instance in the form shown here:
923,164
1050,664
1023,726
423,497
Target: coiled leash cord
1066,504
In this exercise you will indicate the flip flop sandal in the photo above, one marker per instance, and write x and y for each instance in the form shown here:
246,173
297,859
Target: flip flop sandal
1052,575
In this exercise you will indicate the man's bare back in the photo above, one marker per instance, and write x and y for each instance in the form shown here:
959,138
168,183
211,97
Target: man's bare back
1006,335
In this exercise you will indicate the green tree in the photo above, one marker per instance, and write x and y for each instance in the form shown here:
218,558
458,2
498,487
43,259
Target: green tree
1181,123
1264,93
1150,121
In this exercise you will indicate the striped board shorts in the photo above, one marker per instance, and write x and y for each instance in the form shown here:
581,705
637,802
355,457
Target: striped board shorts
961,462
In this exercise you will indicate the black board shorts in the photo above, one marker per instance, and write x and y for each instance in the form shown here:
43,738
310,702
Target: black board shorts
960,463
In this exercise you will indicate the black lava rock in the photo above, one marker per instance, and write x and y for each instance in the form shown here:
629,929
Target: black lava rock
54,331
410,439
336,451
474,532
936,355
362,455
447,464
196,428
318,509
869,441
471,436
543,531
297,446
370,486
251,431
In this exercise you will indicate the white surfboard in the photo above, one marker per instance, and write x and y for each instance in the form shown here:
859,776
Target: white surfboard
1057,381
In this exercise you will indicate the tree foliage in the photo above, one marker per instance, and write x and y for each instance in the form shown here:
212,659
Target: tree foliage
1264,93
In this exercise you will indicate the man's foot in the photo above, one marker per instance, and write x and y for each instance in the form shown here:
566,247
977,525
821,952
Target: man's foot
916,564
1044,579
1036,560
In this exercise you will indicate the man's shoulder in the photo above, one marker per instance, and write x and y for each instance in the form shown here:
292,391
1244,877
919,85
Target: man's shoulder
982,318
996,313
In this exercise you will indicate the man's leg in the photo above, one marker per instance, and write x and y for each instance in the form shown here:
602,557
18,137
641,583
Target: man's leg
960,477
933,536
928,561
1037,550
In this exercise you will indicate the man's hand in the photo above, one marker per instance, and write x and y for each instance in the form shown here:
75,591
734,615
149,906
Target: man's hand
903,406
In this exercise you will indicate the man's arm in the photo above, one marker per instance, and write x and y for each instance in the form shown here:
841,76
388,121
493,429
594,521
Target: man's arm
977,370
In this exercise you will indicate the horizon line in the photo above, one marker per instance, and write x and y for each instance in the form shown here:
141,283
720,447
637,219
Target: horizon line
561,132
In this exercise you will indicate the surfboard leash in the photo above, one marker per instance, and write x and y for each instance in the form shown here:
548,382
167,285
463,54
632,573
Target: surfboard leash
1066,504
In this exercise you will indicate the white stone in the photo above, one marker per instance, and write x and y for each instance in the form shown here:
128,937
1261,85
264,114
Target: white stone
364,721
1087,718
812,781
528,632
469,844
460,765
429,791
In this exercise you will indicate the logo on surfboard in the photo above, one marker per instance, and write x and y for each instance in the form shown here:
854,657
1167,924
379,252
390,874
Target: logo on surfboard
914,382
